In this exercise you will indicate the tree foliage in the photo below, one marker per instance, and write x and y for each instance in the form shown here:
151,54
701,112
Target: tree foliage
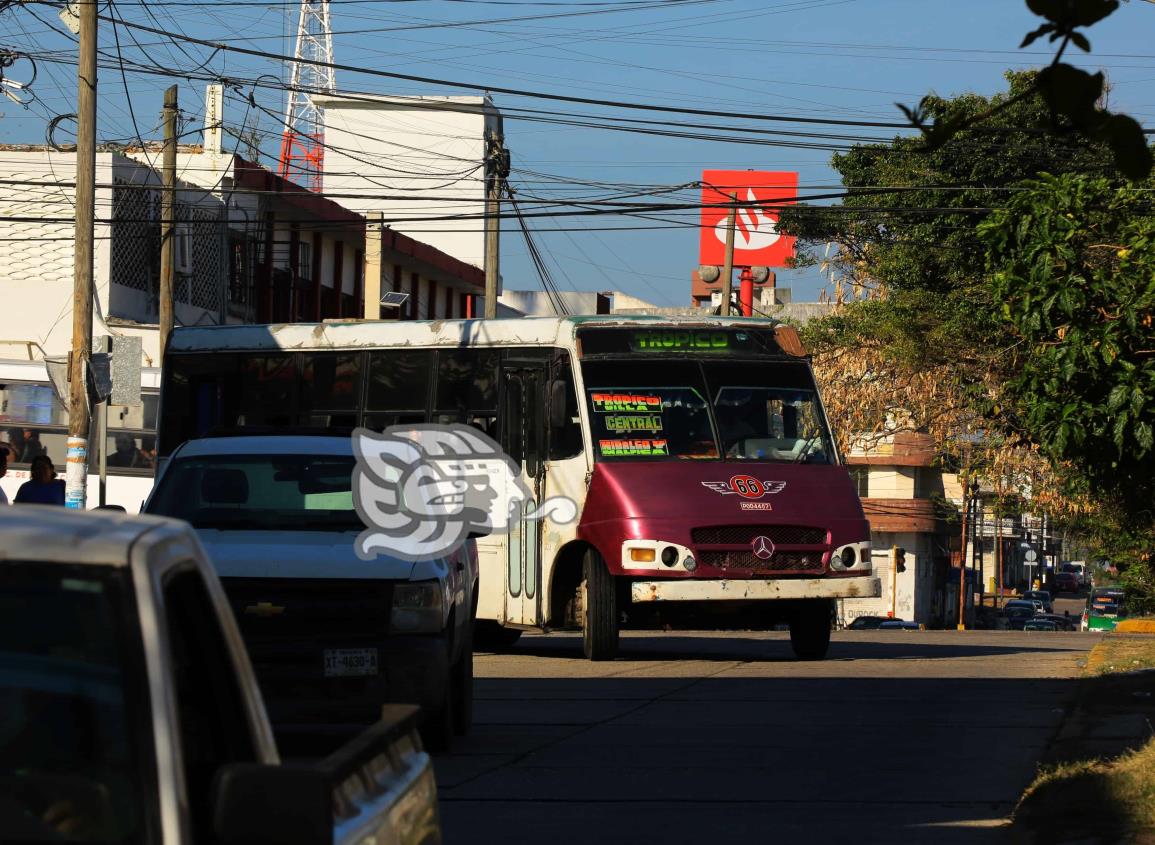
1073,263
1073,96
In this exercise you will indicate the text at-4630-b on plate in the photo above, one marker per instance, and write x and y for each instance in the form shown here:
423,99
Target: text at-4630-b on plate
343,662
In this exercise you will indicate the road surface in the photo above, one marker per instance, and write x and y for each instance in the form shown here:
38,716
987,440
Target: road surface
899,736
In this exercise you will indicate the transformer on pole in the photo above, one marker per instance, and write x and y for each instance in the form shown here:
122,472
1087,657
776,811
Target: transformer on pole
303,142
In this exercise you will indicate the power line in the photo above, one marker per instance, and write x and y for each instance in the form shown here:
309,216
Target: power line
516,92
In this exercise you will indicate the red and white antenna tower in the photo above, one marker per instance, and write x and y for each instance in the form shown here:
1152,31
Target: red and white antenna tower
303,144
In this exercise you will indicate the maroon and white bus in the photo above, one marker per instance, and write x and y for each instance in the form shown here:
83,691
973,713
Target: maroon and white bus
697,450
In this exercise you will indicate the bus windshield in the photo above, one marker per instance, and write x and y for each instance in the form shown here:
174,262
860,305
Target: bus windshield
706,410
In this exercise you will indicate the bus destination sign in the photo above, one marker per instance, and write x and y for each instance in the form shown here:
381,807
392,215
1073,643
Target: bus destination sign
613,341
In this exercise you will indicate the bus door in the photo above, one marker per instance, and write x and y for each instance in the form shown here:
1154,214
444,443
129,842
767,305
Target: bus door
523,438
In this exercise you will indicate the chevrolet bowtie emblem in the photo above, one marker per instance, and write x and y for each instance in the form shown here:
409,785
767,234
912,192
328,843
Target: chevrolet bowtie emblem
264,608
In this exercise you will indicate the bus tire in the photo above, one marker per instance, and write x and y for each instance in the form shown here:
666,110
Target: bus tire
491,636
810,629
599,609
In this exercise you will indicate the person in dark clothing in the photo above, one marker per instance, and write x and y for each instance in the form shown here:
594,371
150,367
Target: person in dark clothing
43,488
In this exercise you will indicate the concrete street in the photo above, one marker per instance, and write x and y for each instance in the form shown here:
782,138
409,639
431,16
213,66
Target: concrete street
899,736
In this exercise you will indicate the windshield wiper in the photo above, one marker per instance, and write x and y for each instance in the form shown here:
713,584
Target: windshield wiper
806,448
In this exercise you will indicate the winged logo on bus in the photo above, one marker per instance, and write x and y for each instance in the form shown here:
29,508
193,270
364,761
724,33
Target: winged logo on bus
746,486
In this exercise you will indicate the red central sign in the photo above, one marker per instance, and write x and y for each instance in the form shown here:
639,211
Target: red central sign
757,242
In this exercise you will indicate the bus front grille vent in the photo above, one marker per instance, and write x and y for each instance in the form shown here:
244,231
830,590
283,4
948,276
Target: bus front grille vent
780,535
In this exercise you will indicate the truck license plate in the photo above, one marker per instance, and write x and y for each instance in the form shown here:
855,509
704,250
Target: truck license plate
342,662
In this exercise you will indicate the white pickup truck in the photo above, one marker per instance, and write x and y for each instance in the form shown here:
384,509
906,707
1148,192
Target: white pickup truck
332,637
129,712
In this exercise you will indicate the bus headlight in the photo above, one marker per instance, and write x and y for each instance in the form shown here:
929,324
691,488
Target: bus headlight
418,608
851,556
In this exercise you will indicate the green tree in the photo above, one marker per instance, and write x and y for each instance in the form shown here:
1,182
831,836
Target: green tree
907,227
1072,261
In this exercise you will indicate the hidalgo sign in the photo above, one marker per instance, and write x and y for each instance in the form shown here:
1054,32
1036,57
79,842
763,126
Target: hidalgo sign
757,242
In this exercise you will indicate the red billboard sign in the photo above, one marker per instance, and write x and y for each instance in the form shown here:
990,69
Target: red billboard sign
757,242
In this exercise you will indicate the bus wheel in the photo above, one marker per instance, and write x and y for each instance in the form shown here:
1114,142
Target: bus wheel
490,636
810,629
599,605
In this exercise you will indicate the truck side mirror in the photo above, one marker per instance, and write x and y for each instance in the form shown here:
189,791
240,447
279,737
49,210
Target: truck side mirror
289,804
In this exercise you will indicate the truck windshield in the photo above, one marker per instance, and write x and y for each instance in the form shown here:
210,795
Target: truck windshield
706,409
260,492
73,715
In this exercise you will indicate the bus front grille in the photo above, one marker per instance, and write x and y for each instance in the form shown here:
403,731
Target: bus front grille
778,562
779,535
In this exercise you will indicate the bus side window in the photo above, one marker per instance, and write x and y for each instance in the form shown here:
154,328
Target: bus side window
466,390
329,389
565,442
398,387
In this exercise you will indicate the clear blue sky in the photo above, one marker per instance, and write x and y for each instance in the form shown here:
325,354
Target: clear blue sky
846,59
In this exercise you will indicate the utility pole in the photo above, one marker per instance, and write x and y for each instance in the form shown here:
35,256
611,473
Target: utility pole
496,169
76,456
999,534
167,219
893,581
728,267
962,560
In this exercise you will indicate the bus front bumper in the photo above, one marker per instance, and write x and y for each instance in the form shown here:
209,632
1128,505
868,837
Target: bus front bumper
754,589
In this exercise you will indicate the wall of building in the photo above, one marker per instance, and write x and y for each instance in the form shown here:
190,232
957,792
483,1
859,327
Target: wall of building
913,590
37,233
390,153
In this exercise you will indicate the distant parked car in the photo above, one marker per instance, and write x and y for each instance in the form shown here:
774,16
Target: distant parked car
902,624
1040,596
1040,624
1066,582
866,623
1065,623
1022,603
1078,568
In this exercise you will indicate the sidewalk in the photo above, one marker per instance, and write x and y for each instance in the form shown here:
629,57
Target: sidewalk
1099,770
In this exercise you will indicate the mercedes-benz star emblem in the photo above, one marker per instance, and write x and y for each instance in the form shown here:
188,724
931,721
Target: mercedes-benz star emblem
763,547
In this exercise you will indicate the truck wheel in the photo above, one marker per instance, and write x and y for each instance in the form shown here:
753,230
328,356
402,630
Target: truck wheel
599,605
810,629
490,636
437,728
463,686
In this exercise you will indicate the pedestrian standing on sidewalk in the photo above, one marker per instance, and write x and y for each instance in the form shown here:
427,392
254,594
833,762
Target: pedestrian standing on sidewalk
3,471
43,488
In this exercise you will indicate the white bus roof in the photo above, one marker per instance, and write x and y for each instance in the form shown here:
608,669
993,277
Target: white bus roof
369,334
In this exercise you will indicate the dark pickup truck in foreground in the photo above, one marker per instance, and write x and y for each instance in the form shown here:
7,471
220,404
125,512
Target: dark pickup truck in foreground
129,712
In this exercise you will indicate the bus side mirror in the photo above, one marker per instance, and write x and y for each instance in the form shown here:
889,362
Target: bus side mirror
558,418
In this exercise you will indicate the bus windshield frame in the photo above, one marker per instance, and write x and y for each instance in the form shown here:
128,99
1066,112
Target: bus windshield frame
702,407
